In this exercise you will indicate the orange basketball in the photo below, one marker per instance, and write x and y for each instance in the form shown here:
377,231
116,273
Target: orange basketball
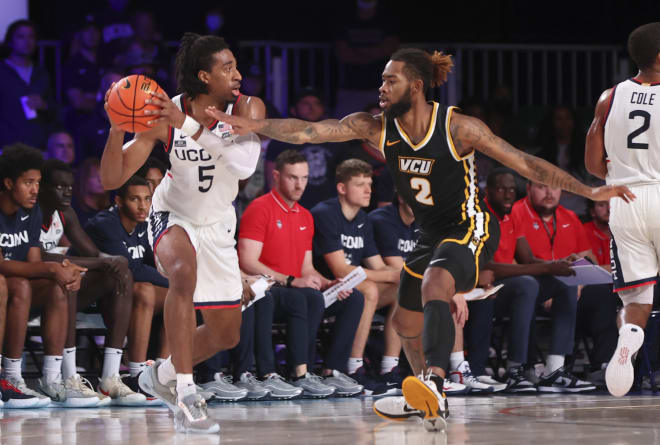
126,103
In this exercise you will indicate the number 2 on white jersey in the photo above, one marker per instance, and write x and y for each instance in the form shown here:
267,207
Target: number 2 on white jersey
424,187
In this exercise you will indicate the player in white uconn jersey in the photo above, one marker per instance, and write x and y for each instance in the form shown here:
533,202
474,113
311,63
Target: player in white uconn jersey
192,220
623,147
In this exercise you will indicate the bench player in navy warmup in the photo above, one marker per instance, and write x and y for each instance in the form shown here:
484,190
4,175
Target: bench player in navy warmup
429,149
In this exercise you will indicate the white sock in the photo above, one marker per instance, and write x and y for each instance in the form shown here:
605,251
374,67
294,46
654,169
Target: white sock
388,364
455,359
553,363
52,368
111,362
166,371
69,363
11,368
184,385
135,368
354,364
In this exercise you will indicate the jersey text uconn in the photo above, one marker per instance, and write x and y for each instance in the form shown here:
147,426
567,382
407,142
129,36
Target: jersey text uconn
352,242
192,154
13,239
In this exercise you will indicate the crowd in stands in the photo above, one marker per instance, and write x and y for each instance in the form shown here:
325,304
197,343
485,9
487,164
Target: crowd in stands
309,215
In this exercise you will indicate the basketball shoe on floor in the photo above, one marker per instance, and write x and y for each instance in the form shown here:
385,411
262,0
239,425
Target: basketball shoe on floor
563,381
313,386
392,380
372,387
255,388
192,416
11,397
489,380
464,376
454,388
78,393
619,375
396,408
19,384
119,393
149,383
343,384
422,393
223,389
132,383
517,382
279,388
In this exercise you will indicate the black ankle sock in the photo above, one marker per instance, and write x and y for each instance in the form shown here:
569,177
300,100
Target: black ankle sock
439,381
438,336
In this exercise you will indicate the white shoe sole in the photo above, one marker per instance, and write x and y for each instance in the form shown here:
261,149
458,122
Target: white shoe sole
620,374
561,389
21,404
78,402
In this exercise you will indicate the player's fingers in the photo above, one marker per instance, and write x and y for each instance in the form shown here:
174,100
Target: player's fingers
153,122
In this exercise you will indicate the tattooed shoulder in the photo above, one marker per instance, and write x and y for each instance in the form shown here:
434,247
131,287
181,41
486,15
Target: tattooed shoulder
364,125
469,133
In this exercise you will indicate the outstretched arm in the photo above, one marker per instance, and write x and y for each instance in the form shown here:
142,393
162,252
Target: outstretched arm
295,131
469,133
594,155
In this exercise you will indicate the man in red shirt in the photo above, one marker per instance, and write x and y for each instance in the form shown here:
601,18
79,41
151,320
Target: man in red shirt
276,239
598,302
553,233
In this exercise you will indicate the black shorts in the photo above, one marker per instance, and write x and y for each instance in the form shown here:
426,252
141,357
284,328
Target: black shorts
462,251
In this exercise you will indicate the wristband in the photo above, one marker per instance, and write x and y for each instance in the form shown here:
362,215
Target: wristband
190,126
289,280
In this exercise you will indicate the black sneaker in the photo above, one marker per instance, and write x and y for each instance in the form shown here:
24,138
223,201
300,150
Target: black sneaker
132,383
12,397
516,381
563,381
392,380
371,386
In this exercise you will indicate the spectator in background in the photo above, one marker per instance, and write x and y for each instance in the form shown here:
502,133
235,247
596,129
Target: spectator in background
363,45
115,29
308,105
60,146
90,197
82,72
561,142
254,84
153,171
92,132
598,303
27,107
276,239
145,51
122,230
343,240
553,233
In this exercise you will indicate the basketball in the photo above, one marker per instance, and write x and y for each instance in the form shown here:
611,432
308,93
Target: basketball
126,104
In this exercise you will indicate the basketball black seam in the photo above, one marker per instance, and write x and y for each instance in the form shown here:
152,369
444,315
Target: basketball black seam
137,82
144,105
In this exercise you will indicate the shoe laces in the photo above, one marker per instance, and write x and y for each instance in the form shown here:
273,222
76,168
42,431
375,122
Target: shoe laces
79,382
224,378
313,377
120,387
250,378
275,376
197,408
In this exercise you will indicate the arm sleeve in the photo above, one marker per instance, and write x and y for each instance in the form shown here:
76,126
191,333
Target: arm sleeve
240,155
326,233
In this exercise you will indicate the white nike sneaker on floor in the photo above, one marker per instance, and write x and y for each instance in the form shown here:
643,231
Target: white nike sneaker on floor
20,384
421,393
454,388
119,393
396,408
619,375
79,393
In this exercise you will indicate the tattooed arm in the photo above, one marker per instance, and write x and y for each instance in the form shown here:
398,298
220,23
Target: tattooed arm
294,131
470,134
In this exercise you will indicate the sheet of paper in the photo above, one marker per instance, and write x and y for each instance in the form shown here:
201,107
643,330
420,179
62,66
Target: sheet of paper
259,288
479,293
586,273
357,276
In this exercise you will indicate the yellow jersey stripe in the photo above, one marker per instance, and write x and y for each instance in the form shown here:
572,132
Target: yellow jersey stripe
414,274
381,141
429,132
450,140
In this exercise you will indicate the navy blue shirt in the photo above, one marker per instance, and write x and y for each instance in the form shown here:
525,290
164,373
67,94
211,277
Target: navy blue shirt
107,232
392,236
332,232
20,232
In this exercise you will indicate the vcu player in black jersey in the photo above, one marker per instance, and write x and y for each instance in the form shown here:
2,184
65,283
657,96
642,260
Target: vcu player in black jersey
429,149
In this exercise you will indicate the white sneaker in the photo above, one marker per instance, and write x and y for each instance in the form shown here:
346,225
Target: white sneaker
488,380
619,375
454,388
463,375
119,393
79,393
421,393
19,384
395,408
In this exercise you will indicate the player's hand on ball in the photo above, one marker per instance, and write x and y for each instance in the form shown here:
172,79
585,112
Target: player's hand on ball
105,107
167,111
606,192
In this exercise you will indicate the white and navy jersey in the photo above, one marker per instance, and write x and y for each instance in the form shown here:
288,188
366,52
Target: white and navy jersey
332,232
197,187
392,236
52,233
632,134
20,232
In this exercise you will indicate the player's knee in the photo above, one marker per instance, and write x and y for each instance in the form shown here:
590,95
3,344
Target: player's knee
143,296
58,297
405,325
370,292
20,292
182,277
3,291
527,287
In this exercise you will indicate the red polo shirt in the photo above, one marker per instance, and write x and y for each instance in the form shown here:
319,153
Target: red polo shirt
506,250
600,243
286,233
547,241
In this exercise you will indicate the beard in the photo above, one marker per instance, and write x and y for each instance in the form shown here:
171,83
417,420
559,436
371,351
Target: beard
401,107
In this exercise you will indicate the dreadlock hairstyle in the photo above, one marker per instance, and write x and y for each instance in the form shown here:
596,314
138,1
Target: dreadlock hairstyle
196,53
432,69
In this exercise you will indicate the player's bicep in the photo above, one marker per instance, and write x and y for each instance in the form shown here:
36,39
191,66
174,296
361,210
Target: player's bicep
249,250
136,151
362,126
594,154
